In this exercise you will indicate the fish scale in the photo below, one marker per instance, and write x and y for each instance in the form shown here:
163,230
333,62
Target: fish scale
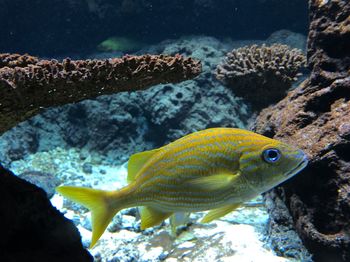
215,169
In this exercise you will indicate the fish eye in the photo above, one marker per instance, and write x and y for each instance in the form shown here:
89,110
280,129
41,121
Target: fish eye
271,155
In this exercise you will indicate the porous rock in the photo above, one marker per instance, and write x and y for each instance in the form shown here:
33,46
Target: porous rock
31,229
15,145
316,117
196,104
281,234
261,74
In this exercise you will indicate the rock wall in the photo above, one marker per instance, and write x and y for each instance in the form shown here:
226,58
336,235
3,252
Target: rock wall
31,228
316,117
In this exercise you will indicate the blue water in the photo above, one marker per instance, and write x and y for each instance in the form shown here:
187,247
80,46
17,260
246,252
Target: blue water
90,142
54,28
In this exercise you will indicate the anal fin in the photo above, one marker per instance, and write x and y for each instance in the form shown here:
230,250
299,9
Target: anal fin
151,217
219,212
178,219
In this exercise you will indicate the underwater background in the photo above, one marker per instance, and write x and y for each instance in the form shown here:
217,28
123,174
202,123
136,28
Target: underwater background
280,68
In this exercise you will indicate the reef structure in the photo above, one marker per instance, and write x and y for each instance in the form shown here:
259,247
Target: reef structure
31,227
316,117
261,74
27,84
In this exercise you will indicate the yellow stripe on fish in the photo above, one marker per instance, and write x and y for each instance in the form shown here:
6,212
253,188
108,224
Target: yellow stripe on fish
215,169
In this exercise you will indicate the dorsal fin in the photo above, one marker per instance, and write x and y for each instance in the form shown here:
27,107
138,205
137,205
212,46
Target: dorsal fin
137,161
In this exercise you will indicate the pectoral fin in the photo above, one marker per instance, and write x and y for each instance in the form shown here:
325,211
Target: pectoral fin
214,182
219,212
151,217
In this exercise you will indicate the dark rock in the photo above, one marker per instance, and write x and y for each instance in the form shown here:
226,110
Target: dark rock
176,110
86,223
117,126
87,168
103,171
314,117
15,145
133,211
74,206
126,254
48,182
76,133
116,224
281,233
31,229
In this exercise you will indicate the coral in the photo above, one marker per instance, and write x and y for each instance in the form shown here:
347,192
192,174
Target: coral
33,230
118,125
316,117
262,75
25,91
14,60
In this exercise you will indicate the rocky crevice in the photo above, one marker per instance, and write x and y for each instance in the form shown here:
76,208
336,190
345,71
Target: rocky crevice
316,117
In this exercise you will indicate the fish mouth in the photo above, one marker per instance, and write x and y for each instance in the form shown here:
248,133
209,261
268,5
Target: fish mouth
302,164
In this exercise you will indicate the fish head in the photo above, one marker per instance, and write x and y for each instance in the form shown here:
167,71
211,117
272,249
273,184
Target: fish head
269,163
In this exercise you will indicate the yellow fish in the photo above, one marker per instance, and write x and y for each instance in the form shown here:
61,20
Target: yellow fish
215,169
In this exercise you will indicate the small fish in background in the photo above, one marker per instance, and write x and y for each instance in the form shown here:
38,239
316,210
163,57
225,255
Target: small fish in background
121,44
216,169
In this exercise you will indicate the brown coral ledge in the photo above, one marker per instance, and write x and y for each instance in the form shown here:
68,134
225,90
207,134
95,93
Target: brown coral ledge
28,84
316,117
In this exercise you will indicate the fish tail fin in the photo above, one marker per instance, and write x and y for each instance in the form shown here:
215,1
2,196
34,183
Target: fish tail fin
97,201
